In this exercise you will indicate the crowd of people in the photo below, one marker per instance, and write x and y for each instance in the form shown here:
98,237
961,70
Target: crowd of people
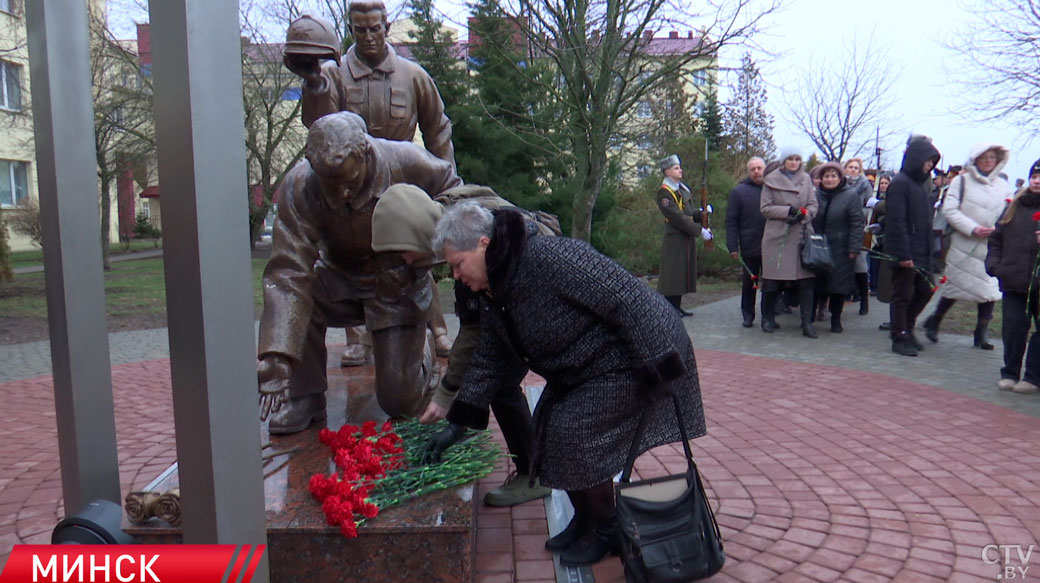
965,234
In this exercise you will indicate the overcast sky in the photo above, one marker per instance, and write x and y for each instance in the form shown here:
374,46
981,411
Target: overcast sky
911,30
925,93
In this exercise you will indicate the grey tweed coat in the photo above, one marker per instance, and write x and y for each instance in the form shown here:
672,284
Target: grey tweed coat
605,343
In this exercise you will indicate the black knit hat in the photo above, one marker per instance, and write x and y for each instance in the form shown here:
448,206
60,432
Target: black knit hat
1035,169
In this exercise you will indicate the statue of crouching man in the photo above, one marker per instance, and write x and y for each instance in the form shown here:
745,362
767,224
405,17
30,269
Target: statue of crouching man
324,272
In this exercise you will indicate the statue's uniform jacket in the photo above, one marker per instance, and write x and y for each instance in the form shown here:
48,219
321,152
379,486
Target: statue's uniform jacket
393,98
323,242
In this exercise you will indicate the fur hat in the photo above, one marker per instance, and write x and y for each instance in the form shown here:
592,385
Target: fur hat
831,166
1035,168
788,151
668,162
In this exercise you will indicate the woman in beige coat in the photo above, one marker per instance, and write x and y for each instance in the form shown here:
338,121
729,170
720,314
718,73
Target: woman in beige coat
789,205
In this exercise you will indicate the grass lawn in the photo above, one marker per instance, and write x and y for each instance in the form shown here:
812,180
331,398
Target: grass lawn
134,289
35,257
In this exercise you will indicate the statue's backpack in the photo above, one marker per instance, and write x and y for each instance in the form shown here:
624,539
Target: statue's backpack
548,224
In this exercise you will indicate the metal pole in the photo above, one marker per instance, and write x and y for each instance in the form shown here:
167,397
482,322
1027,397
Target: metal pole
66,165
202,171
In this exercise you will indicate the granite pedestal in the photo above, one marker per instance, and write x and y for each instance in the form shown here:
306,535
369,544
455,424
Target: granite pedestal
430,539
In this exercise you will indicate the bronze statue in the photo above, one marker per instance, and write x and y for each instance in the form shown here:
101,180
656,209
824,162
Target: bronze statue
323,272
392,94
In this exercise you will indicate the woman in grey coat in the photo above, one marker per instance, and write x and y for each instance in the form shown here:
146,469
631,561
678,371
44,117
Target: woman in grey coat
789,205
840,219
607,345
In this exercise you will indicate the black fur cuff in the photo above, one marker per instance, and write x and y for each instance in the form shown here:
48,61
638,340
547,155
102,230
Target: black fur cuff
469,415
668,368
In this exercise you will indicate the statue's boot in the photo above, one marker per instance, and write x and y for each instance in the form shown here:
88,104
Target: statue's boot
359,347
297,414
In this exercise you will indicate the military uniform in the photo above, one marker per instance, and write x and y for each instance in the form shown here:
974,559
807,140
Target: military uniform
383,96
682,226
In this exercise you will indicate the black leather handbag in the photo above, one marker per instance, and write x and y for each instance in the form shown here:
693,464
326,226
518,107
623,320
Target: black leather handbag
816,254
668,531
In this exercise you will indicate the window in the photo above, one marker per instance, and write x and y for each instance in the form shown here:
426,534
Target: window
642,171
10,86
14,185
5,6
644,142
700,77
643,109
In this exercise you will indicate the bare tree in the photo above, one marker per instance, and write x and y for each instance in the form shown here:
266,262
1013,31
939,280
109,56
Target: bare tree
838,104
274,134
124,134
599,48
1000,48
27,221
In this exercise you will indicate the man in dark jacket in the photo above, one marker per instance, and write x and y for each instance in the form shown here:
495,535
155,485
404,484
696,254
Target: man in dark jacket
908,226
744,225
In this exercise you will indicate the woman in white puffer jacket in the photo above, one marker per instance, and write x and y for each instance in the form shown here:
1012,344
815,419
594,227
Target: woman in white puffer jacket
973,203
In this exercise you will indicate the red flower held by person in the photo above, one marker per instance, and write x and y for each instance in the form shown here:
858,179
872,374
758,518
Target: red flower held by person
1036,216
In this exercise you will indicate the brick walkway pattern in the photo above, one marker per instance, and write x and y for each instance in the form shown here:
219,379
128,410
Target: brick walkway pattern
818,473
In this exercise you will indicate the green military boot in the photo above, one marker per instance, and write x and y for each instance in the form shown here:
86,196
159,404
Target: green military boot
515,490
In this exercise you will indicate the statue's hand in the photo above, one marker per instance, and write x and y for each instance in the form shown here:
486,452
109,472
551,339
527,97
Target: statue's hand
273,376
307,67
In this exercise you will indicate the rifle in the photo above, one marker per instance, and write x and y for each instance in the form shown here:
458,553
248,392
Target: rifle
710,243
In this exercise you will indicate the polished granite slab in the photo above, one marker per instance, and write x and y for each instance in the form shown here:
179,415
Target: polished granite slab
430,539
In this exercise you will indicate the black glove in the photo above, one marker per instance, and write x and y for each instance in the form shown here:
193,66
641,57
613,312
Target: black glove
793,215
448,437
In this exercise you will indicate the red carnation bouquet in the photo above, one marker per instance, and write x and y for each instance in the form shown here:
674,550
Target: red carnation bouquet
380,467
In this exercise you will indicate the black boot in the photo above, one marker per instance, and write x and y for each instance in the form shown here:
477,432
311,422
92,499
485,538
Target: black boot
931,327
568,536
769,312
863,285
806,308
982,335
599,540
901,343
836,324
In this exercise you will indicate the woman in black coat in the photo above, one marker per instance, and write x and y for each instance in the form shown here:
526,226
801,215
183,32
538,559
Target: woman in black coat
1011,259
607,345
840,219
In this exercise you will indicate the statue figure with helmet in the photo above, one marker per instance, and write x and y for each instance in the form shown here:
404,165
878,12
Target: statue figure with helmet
392,94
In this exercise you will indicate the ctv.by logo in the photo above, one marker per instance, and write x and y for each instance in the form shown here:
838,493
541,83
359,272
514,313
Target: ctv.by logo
1013,559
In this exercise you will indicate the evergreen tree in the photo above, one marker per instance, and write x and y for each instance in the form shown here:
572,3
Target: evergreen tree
711,122
748,126
507,143
436,52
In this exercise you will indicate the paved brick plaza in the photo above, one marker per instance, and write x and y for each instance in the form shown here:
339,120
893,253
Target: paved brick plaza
818,472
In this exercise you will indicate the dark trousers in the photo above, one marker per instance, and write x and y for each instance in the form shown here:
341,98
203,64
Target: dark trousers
514,417
874,271
748,291
1017,319
910,294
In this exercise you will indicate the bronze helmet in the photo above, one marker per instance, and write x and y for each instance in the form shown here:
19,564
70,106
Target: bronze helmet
312,36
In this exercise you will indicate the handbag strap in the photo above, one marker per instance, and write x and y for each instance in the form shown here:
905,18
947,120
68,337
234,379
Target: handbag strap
633,452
